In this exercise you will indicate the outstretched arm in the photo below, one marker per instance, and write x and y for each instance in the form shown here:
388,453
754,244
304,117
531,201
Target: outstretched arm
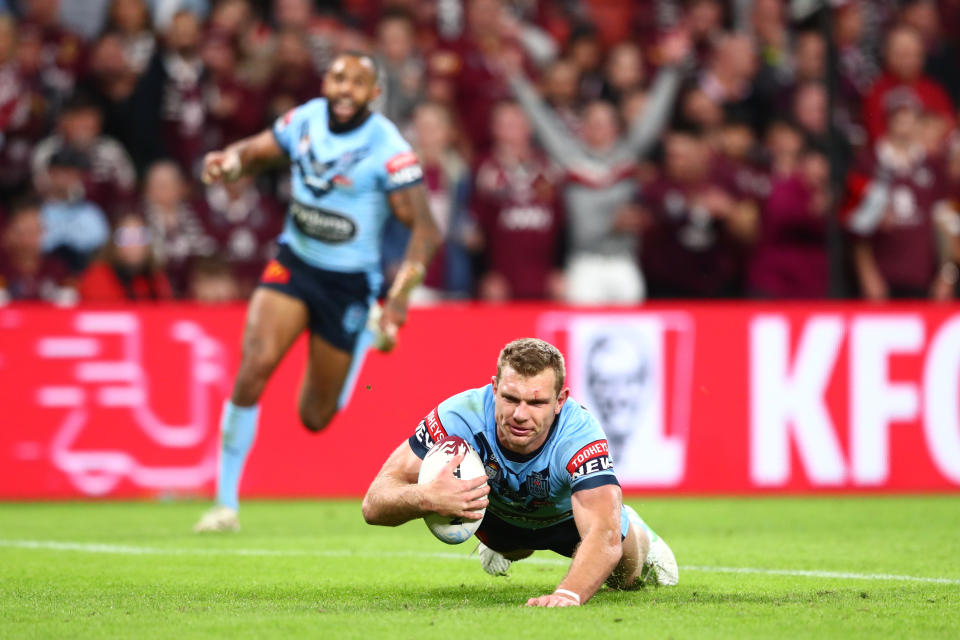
597,514
673,52
410,206
562,144
248,155
394,497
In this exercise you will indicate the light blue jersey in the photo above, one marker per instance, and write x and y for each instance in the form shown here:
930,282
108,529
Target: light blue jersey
529,491
339,186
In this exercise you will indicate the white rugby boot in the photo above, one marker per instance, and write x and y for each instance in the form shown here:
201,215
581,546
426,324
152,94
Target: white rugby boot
660,566
492,562
217,519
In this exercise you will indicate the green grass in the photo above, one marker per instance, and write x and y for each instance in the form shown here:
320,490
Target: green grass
315,570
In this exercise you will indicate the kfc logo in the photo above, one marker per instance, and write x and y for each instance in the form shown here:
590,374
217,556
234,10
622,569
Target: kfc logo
633,372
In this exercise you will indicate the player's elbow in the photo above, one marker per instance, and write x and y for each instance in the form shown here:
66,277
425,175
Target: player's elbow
369,511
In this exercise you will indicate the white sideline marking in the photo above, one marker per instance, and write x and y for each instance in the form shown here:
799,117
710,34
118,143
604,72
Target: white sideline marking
119,549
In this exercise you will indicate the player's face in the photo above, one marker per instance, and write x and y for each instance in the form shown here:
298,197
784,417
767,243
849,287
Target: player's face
525,407
349,86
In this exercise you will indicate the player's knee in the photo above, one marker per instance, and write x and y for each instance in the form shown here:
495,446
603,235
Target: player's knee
316,416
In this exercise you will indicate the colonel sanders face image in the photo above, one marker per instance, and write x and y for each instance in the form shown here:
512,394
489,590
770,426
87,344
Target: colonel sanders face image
619,382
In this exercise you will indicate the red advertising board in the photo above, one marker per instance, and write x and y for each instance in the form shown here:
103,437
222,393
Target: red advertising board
700,398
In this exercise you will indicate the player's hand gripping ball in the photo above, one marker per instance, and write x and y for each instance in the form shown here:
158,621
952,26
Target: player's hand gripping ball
445,528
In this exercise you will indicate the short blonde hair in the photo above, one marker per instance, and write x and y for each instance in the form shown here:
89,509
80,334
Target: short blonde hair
530,356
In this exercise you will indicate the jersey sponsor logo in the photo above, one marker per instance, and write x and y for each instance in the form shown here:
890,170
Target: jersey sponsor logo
275,272
323,225
591,458
435,427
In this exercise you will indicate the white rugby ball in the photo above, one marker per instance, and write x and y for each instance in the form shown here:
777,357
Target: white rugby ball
451,530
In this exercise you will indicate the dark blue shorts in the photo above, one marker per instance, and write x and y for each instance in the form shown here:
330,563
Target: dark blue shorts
338,303
503,537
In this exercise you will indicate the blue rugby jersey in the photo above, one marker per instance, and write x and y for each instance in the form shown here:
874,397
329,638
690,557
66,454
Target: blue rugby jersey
339,186
529,491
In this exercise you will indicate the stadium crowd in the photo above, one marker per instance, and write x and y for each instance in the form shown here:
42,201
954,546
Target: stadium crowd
591,151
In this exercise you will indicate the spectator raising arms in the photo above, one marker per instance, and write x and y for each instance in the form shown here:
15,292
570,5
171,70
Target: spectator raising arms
600,168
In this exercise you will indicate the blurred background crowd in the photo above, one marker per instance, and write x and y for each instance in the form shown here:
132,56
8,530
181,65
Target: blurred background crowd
588,151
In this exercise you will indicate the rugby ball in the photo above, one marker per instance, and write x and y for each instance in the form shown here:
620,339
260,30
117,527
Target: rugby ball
451,530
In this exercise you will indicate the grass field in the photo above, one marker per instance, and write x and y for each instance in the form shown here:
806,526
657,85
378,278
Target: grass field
880,567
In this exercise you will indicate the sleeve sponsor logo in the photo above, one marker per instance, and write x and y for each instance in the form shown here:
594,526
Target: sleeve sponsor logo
401,161
593,458
403,169
435,427
422,435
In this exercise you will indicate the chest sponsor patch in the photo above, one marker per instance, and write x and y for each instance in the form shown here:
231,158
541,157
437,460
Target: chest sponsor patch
321,224
593,458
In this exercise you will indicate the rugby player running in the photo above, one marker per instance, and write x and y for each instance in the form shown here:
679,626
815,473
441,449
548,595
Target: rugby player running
549,481
350,168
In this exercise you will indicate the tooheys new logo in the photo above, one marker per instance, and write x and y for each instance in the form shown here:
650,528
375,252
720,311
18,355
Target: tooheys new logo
322,224
593,458
403,169
430,430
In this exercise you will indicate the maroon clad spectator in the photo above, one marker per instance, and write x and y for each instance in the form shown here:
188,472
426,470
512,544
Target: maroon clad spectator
294,80
130,102
623,72
177,231
516,204
700,223
129,271
858,69
470,65
790,260
62,53
234,109
244,222
111,180
183,112
25,272
904,57
560,90
403,69
728,80
585,52
322,32
897,211
130,19
23,107
213,282
447,179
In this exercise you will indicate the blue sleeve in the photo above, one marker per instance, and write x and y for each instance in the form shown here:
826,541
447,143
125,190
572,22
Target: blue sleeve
287,127
399,165
585,454
454,416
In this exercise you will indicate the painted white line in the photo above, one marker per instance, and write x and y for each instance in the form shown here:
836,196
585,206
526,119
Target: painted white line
119,549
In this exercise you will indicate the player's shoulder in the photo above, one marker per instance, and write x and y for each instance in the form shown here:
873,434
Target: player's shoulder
309,109
577,428
469,406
